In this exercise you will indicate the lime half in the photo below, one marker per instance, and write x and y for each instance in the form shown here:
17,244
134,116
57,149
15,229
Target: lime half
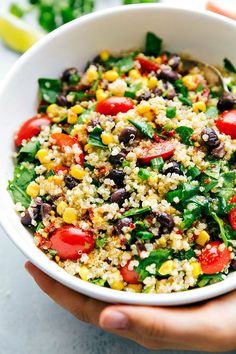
17,34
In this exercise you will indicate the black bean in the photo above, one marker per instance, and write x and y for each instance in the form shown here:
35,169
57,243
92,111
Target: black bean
165,219
119,196
45,210
68,73
26,219
174,168
174,61
210,137
140,246
128,135
117,159
157,92
122,223
168,75
62,101
226,102
219,151
145,96
233,264
117,176
171,94
70,182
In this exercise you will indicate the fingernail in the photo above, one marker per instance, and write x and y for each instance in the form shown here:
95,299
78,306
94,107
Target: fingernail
114,320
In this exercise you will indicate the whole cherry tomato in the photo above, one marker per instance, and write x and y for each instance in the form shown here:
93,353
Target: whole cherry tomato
71,242
162,149
113,105
147,65
32,127
226,123
129,276
214,257
232,214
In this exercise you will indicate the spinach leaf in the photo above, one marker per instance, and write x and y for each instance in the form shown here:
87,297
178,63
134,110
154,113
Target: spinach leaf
28,151
205,279
229,66
85,114
208,183
143,127
186,101
125,64
214,169
18,194
212,112
157,163
190,215
185,134
153,45
193,172
137,211
189,190
157,257
40,226
223,232
229,179
182,255
100,242
49,89
131,92
95,138
200,87
144,235
171,195
52,252
181,88
98,281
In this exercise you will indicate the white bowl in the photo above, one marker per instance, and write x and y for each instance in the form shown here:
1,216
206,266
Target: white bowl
207,36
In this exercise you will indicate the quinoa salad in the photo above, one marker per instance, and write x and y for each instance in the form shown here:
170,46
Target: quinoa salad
126,174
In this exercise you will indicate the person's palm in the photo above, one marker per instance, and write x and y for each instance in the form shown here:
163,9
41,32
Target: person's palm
207,326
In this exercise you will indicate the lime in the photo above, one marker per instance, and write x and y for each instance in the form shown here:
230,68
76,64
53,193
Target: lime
17,34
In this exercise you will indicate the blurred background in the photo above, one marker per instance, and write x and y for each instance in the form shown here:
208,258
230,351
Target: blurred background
30,323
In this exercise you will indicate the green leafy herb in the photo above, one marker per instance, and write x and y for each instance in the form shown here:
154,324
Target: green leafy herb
185,134
157,163
125,163
144,174
200,87
220,222
131,92
136,211
100,242
212,112
170,112
143,127
186,101
99,281
49,89
229,66
125,64
28,151
144,235
214,169
182,255
205,279
181,88
87,165
52,252
40,226
208,183
193,172
157,257
17,10
153,44
95,138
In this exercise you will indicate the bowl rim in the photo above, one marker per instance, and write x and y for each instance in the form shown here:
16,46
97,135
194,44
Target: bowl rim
52,269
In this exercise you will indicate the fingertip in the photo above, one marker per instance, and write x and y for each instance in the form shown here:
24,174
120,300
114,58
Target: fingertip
29,267
113,319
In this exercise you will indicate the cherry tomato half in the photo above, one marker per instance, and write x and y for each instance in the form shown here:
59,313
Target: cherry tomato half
113,105
62,140
232,214
162,149
63,169
226,123
129,276
147,65
213,259
31,127
71,242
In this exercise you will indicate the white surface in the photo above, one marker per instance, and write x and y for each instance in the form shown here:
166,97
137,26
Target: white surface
30,323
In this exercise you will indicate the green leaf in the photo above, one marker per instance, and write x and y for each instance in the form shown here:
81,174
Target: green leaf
18,194
85,114
171,195
145,128
137,211
205,279
200,87
28,151
52,252
189,190
17,10
229,66
193,172
212,112
190,216
208,183
95,138
214,169
49,89
157,163
40,226
220,223
100,242
153,45
186,101
157,257
131,92
125,64
170,112
144,235
144,174
181,88
183,255
185,134
98,281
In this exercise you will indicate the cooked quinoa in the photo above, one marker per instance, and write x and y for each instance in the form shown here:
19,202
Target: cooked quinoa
127,175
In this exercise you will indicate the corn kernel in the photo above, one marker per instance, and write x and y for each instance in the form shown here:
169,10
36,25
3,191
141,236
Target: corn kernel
136,288
33,189
116,282
150,116
49,165
57,259
69,216
72,117
55,179
111,75
199,107
190,82
166,268
42,156
104,55
77,172
134,74
83,273
52,109
203,238
77,109
196,269
152,82
107,138
87,147
158,60
101,95
92,74
61,207
143,107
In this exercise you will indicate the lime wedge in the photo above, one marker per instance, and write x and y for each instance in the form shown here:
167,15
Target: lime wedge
17,34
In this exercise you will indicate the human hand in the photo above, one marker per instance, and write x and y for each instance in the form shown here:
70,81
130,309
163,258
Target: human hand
208,326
